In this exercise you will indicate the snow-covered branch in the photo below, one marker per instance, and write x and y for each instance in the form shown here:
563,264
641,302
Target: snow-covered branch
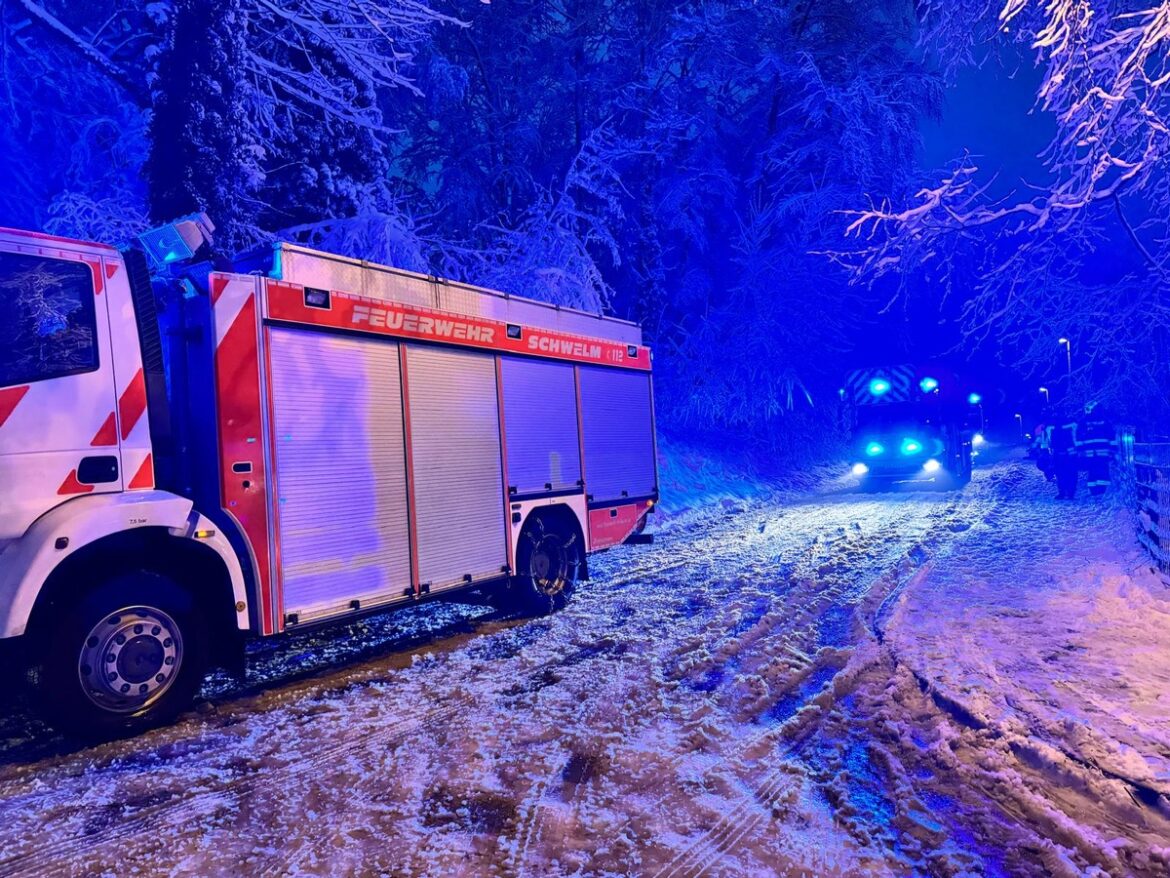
298,49
1105,78
87,50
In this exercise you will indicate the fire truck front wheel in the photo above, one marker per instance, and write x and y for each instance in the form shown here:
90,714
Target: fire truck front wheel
548,564
129,655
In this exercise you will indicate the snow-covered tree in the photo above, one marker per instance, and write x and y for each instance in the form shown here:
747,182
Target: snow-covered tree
678,163
307,77
202,152
74,134
777,117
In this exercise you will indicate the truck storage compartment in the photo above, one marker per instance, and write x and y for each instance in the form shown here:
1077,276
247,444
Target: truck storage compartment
617,432
340,471
455,447
540,426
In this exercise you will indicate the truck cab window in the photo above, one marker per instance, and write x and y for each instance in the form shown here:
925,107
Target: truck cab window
47,321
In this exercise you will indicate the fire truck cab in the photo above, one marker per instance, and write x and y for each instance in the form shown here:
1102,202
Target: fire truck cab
297,440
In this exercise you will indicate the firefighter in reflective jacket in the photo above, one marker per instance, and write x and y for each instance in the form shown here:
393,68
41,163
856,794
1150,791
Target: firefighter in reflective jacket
1097,443
1064,458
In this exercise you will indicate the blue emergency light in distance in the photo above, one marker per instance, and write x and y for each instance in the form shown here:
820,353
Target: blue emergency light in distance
875,449
974,399
879,387
910,447
928,384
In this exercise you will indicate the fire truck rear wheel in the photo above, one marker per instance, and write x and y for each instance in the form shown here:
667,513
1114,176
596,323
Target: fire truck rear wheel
129,655
548,565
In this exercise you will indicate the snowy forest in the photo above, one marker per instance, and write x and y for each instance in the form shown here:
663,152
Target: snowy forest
747,180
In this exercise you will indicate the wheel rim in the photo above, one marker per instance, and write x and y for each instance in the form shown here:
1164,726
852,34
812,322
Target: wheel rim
130,659
551,563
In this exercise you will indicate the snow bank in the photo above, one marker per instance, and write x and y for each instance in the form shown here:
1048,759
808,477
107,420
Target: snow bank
1045,625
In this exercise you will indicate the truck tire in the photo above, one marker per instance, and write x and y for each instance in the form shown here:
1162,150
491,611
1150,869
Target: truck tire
548,565
127,656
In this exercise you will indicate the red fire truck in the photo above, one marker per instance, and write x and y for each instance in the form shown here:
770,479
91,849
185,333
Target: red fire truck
298,440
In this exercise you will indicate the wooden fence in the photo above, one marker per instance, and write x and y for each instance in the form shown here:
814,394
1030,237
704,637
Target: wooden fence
1148,468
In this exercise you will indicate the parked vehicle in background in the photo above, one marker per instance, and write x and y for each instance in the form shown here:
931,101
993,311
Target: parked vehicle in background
294,441
912,424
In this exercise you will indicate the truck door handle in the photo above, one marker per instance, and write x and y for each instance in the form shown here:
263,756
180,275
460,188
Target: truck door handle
98,470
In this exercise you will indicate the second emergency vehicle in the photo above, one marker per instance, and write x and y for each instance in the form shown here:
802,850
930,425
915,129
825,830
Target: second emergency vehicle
912,424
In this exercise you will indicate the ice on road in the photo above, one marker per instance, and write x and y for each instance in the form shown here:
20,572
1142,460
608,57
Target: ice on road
820,683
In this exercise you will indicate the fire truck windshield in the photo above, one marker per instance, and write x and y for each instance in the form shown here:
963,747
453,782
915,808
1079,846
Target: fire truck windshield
47,319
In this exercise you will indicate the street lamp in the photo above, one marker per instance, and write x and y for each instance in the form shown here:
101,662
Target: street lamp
1020,421
1068,350
1047,396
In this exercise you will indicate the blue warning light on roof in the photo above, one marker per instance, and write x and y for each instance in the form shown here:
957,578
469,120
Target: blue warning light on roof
928,384
879,387
177,241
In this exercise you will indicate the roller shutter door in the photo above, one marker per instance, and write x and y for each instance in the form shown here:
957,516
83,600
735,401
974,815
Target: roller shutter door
455,444
540,425
340,471
618,434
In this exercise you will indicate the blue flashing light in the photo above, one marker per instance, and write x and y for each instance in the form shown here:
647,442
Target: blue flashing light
177,241
910,447
974,399
879,387
875,449
928,384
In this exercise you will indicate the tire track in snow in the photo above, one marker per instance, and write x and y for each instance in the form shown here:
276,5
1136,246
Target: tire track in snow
714,544
807,595
230,793
143,820
746,816
287,776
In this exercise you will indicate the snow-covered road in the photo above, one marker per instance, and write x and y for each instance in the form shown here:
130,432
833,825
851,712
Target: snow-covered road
802,684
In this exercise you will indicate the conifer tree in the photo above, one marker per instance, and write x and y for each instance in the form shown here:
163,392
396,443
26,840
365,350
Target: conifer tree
201,155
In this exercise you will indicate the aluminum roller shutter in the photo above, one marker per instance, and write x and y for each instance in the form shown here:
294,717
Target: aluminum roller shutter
618,433
455,444
540,425
340,471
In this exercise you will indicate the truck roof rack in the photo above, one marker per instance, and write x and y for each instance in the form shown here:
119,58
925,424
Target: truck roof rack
313,268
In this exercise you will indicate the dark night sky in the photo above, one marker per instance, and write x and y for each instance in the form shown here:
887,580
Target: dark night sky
990,111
